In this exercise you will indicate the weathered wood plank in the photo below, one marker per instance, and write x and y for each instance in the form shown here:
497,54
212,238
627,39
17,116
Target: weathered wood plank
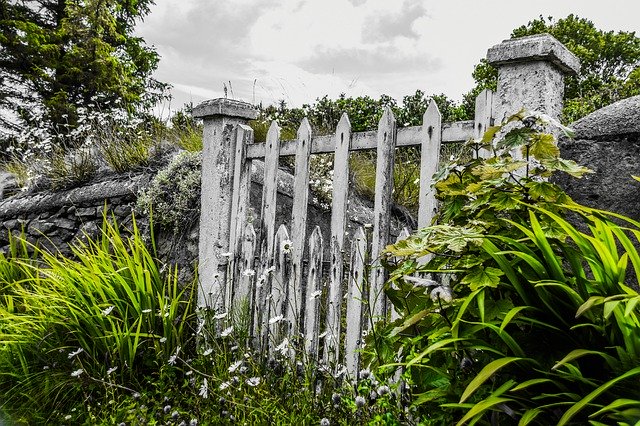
278,298
429,158
242,294
483,118
353,332
314,294
239,205
403,235
458,131
342,140
299,225
382,211
267,229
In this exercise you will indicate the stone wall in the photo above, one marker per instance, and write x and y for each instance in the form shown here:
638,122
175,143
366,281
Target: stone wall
608,142
56,219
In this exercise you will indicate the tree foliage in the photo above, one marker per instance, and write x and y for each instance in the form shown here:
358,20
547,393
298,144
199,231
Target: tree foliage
610,64
59,56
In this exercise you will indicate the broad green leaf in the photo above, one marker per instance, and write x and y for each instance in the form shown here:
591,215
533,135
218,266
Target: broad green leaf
543,147
488,371
515,138
490,133
543,190
409,322
511,314
636,178
480,277
567,166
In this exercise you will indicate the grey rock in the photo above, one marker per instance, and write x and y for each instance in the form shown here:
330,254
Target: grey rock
86,211
65,223
618,119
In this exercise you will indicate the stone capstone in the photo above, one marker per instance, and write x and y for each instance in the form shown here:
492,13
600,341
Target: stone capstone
539,47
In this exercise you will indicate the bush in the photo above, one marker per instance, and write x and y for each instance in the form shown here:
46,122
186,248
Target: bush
525,316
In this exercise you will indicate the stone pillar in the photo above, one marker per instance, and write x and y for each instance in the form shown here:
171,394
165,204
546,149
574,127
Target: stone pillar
531,74
220,117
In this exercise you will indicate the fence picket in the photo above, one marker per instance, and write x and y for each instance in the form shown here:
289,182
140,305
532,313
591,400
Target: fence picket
267,228
353,332
299,224
338,227
239,206
429,158
314,294
387,134
403,234
278,298
483,118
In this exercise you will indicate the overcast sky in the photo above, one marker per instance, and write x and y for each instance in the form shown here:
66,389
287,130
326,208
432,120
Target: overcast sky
299,50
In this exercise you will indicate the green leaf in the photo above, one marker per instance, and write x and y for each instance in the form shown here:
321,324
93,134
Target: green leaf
488,371
409,322
616,405
482,277
567,166
529,416
490,133
481,407
579,353
515,138
543,147
577,407
543,190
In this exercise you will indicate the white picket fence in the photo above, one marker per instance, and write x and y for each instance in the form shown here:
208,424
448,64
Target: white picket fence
291,295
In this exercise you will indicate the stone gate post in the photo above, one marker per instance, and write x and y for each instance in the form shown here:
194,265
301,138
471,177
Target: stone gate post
220,117
531,73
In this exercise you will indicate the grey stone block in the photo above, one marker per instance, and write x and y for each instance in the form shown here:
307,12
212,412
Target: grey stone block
539,47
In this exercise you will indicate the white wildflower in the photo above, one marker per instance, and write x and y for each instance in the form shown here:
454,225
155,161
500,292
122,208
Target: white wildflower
269,270
285,246
207,352
163,339
248,272
172,360
253,381
275,319
360,401
204,389
224,385
233,367
283,347
146,311
226,331
76,352
111,370
108,310
77,372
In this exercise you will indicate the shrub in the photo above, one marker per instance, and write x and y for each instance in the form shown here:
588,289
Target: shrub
174,193
525,316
